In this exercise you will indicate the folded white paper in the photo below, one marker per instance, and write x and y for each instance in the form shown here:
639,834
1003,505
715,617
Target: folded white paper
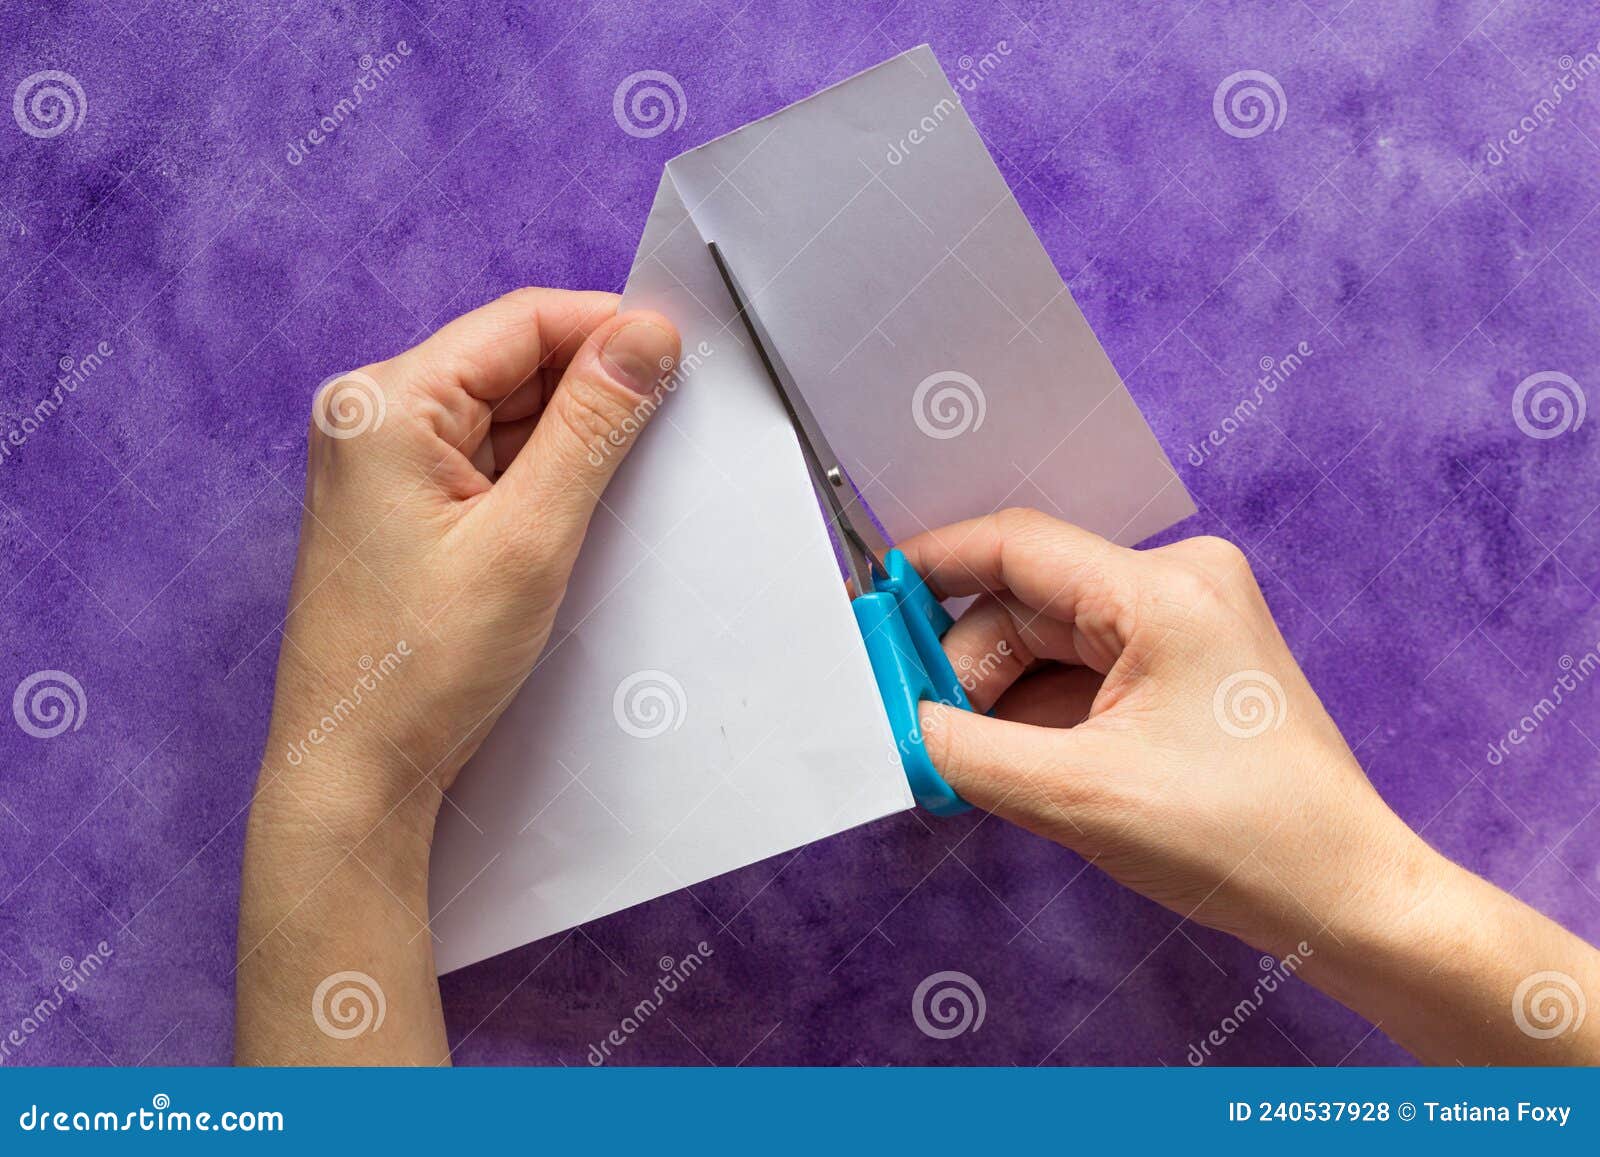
920,315
706,700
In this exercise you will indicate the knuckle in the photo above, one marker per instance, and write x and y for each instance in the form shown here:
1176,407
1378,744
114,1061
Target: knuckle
1112,611
349,405
1191,589
939,739
1184,603
1027,535
935,741
591,414
526,297
1192,604
1022,521
1220,555
1205,578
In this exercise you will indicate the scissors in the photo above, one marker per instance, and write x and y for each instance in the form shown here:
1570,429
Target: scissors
900,620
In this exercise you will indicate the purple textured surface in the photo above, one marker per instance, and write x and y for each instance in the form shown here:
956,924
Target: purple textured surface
1431,563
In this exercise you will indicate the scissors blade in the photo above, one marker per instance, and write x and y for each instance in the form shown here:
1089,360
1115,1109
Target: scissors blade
828,476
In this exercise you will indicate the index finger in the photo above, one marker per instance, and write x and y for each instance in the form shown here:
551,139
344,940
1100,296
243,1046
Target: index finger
1052,566
500,346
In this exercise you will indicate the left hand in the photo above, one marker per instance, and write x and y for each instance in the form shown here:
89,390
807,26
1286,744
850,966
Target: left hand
448,491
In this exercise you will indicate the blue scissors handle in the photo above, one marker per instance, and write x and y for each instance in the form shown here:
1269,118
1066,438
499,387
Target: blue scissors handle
902,623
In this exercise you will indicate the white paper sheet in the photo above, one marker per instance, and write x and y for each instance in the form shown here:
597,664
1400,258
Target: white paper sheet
706,701
911,299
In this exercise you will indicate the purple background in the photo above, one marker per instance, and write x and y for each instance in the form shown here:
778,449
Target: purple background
1430,563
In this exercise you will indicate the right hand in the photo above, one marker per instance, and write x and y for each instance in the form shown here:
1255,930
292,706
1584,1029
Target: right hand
1149,716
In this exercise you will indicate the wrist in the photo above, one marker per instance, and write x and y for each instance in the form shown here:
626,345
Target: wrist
1455,970
1353,891
1394,902
1400,908
350,765
346,799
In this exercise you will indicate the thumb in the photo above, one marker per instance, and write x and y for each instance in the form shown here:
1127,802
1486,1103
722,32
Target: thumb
612,388
1038,777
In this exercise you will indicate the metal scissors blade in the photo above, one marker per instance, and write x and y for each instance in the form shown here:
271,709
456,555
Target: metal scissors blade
828,477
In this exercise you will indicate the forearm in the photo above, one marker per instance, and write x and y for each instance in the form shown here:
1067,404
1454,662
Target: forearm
1455,970
335,957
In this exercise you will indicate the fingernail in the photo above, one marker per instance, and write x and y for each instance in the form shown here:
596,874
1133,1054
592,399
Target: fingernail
637,355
